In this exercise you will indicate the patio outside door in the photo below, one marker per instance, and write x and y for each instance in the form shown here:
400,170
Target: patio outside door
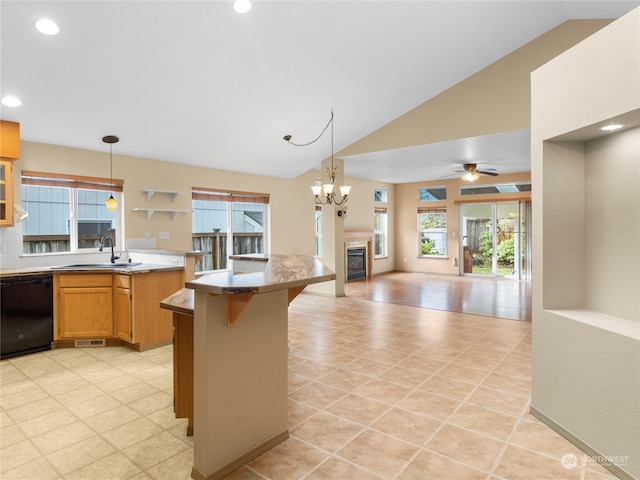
494,239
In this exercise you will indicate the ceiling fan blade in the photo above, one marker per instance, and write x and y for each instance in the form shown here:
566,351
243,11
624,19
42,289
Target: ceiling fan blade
484,172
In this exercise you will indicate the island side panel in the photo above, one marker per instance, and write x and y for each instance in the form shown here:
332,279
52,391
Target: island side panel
240,381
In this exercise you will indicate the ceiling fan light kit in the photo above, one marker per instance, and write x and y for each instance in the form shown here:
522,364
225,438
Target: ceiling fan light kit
471,172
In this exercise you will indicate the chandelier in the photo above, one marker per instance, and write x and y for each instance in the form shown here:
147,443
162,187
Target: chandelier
326,194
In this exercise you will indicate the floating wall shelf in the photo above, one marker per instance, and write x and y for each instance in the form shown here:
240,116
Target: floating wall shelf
151,211
150,193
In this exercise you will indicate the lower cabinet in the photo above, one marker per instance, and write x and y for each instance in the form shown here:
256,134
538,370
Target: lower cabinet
114,305
138,318
122,308
84,306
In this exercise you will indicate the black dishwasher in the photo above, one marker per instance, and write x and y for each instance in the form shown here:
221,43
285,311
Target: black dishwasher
26,306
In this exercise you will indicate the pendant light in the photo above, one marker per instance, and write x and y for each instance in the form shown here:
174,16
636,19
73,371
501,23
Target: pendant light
112,203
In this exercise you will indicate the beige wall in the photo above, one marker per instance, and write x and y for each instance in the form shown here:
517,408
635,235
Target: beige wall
406,221
291,208
586,211
494,100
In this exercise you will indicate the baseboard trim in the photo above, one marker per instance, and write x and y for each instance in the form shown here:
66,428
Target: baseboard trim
244,459
594,454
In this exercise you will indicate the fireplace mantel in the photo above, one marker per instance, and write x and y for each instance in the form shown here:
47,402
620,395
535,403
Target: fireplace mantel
358,238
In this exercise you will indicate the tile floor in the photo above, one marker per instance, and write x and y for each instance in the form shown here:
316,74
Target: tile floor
377,391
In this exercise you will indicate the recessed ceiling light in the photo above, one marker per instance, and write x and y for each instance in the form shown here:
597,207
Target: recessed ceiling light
242,6
11,101
611,128
47,27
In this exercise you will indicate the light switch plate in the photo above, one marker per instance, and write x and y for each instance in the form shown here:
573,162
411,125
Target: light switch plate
164,235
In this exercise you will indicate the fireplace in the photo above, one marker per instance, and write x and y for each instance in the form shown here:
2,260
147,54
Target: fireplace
356,263
358,245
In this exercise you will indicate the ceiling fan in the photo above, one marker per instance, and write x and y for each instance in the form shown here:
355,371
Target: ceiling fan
471,172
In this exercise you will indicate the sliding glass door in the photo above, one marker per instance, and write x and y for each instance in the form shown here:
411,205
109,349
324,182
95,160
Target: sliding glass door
494,239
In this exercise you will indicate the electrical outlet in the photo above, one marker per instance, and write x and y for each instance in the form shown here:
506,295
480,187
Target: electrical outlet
147,235
164,235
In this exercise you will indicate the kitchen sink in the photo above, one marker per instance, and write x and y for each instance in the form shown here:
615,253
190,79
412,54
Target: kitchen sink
89,266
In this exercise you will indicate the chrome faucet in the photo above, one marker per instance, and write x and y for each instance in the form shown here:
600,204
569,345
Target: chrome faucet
104,238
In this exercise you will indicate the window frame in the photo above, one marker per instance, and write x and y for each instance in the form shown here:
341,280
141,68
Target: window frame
384,232
231,197
438,210
75,183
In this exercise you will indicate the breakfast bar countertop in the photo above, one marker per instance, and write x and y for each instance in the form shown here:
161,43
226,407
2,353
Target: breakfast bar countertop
281,272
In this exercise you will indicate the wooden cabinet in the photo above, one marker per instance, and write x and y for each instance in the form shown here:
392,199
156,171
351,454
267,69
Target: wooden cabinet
122,314
183,368
6,193
83,306
114,305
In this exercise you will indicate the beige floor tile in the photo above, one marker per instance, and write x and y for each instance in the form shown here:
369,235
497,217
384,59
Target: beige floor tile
534,435
364,451
299,412
336,468
405,376
39,469
291,459
326,431
509,383
152,403
463,373
81,454
429,465
48,422
155,449
115,466
318,395
18,454
131,433
97,405
177,467
115,417
383,391
345,379
312,369
35,409
498,400
485,421
470,448
520,464
358,409
62,437
448,387
425,403
408,426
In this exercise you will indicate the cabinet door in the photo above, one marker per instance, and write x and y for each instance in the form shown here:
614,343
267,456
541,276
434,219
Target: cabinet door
6,193
85,312
122,314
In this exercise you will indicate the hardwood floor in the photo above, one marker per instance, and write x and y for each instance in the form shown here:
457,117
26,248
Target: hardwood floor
492,297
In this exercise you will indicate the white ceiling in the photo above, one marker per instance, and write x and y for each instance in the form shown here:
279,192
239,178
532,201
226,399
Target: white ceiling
193,82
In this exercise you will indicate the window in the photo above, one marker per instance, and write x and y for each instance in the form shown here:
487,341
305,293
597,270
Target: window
495,189
380,228
318,230
379,195
226,223
68,213
432,225
432,194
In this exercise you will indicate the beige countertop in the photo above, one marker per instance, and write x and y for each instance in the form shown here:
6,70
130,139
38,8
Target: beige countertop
281,272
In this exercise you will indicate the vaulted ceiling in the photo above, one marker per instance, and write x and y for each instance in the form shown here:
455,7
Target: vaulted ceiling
194,82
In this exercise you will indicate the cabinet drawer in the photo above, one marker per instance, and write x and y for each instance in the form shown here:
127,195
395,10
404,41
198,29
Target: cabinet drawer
122,281
85,280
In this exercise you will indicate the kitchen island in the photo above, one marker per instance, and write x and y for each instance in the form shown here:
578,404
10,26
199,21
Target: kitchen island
240,322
